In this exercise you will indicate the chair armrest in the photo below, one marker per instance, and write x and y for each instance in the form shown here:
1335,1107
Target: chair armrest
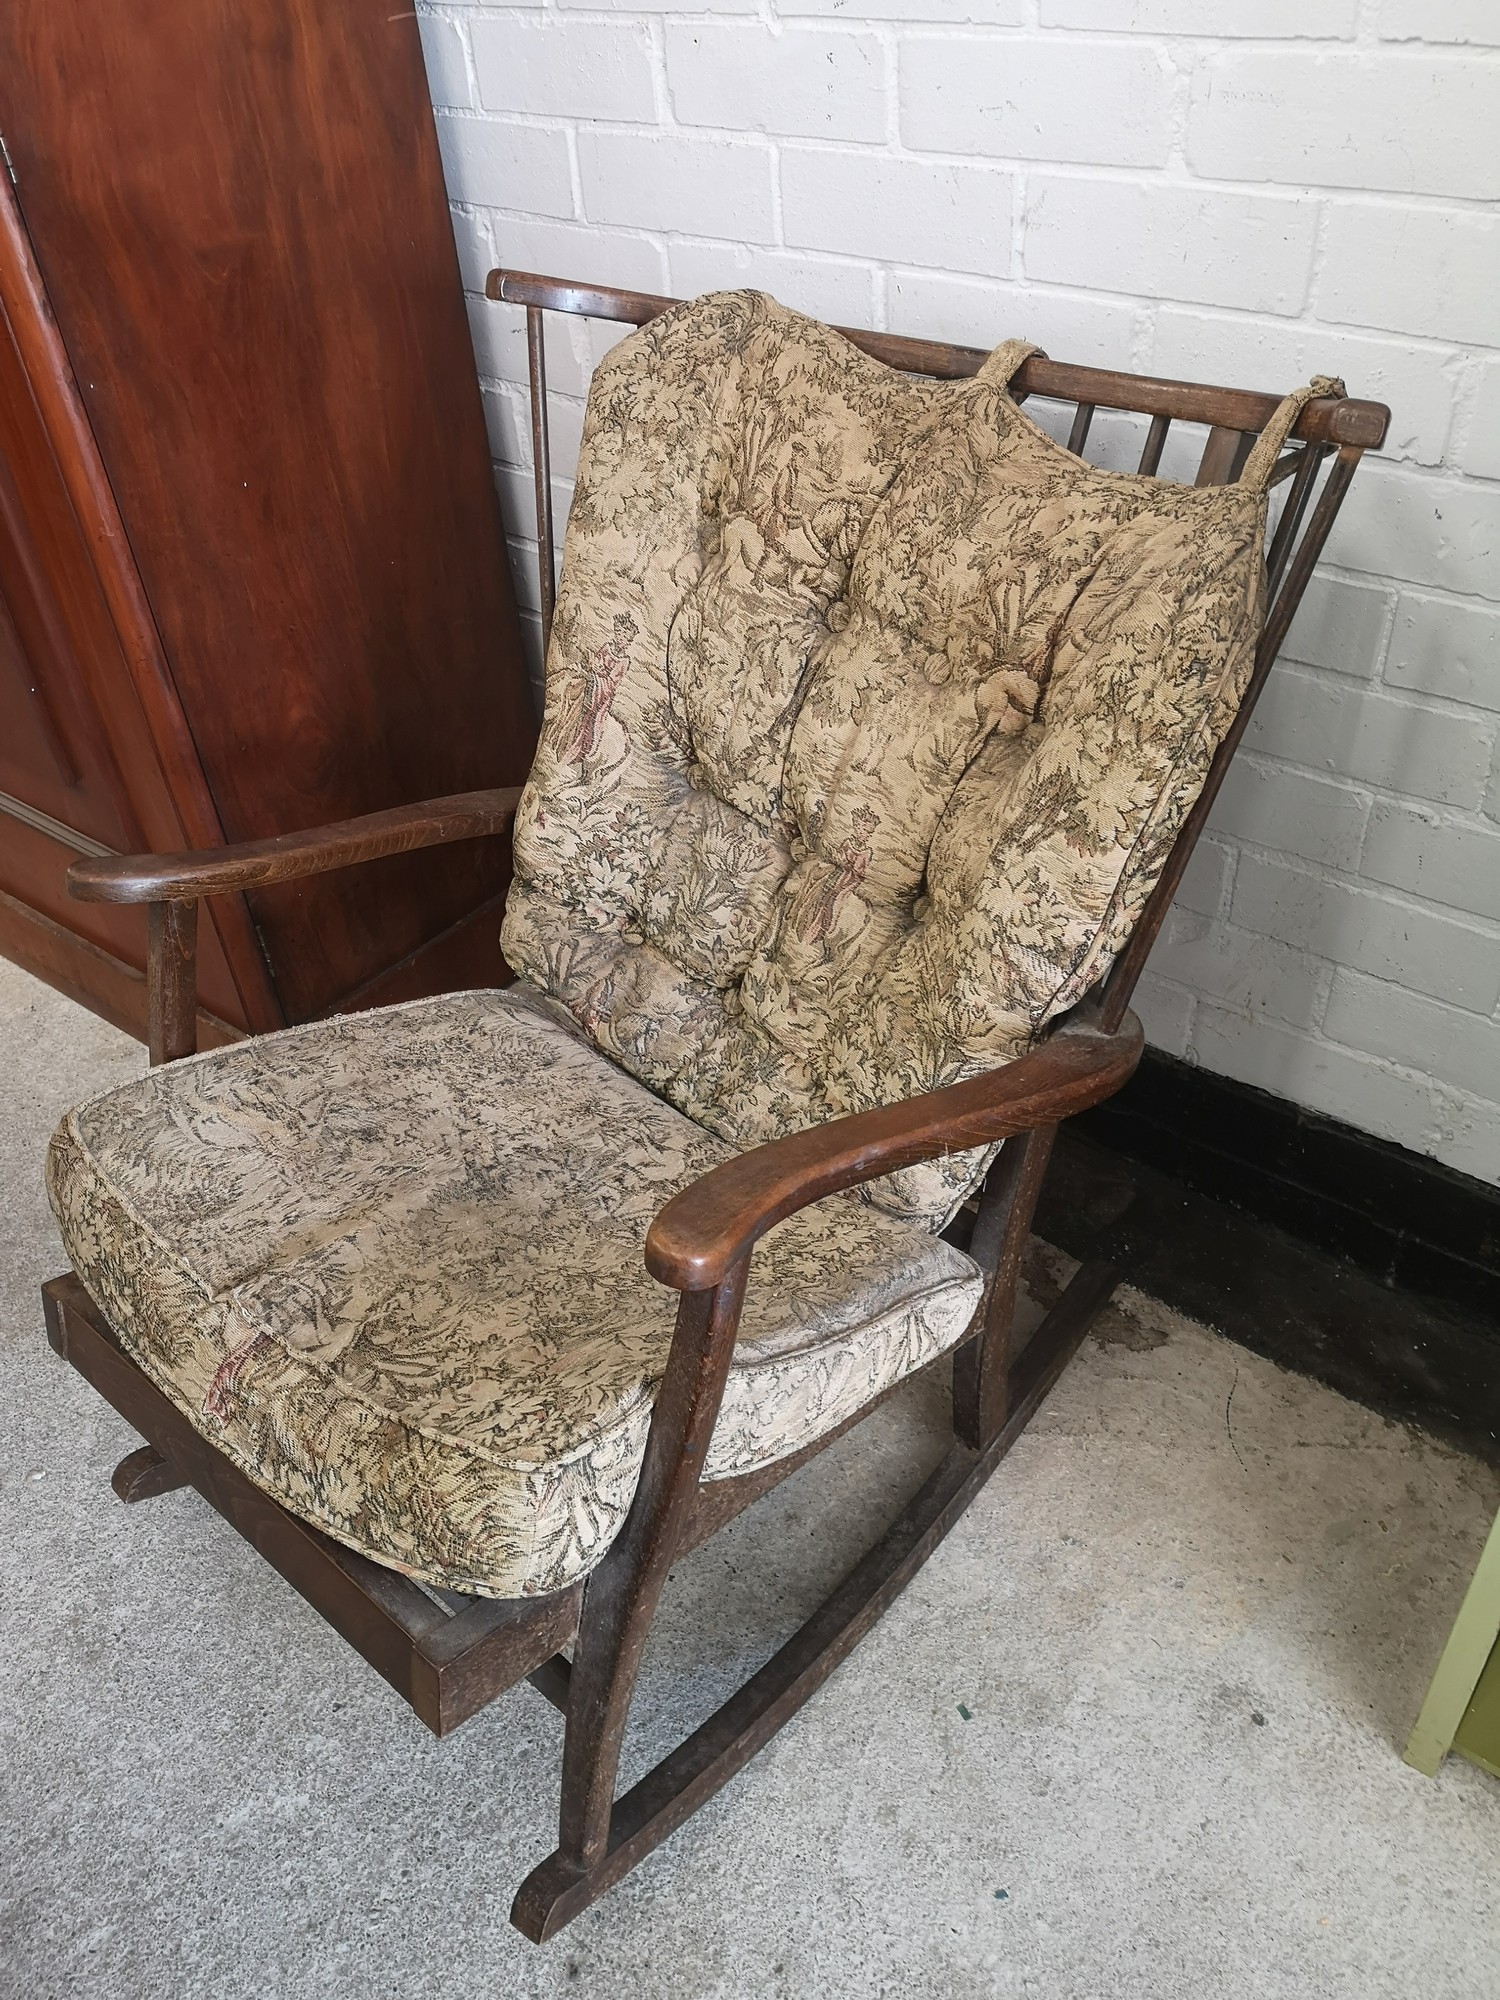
703,1232
253,864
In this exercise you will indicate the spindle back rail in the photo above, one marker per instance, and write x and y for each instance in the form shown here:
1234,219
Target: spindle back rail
1329,439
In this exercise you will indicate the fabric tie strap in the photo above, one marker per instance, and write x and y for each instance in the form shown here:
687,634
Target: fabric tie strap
1002,362
1262,460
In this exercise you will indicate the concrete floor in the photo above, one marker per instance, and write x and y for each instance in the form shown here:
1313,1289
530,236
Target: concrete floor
1190,1621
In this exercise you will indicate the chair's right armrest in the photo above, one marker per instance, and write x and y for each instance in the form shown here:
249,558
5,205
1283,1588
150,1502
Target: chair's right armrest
703,1232
288,857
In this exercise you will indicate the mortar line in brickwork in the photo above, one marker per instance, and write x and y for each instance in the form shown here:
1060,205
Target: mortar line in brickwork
1146,177
1179,113
1322,228
661,89
890,54
882,298
1018,195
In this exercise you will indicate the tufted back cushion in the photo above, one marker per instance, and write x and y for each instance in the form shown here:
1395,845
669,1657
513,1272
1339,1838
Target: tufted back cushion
871,716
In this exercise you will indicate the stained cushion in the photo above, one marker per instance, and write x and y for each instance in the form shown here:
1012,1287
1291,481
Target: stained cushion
872,714
391,1265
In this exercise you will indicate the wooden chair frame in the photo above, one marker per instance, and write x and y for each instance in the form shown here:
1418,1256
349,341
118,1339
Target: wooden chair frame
449,1655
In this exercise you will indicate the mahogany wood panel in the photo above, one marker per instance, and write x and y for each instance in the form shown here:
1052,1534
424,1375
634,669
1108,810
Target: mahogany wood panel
58,635
239,216
465,955
67,511
74,741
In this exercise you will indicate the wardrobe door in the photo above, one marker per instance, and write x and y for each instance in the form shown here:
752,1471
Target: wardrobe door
239,215
63,690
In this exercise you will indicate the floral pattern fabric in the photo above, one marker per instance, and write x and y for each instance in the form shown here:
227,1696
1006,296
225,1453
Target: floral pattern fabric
872,715
391,1265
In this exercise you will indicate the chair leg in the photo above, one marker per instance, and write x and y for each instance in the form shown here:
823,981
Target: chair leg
618,1604
603,1838
982,1366
144,1474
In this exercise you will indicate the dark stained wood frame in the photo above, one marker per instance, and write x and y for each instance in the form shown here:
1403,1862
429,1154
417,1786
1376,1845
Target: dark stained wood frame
449,1655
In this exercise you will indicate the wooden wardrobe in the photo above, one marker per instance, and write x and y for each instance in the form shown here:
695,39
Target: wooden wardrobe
252,575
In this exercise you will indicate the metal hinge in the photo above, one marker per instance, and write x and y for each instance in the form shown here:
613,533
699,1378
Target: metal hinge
10,165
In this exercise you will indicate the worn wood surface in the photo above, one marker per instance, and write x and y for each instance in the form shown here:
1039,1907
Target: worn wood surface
288,857
1224,455
95,978
541,465
701,1241
144,1475
171,886
171,980
621,1595
1303,471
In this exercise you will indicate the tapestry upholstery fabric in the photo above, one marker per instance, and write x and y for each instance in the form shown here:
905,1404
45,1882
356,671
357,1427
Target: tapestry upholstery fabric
872,714
390,1264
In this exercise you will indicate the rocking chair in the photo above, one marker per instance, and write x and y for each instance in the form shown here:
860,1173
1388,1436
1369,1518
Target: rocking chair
233,1217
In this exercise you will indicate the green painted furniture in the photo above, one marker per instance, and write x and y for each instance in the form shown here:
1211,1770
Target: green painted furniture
1462,1709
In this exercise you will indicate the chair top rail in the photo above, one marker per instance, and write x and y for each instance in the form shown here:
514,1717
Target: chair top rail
1335,420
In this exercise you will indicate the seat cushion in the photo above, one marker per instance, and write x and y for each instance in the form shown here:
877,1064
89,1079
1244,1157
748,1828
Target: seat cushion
391,1265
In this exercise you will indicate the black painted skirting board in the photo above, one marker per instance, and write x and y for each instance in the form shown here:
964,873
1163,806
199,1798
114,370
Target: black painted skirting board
1336,1254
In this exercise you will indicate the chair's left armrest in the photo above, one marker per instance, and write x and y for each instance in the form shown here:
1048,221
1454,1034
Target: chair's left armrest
255,864
703,1232
172,885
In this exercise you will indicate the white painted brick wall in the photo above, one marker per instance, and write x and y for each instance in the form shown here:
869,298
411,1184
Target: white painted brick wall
800,82
1105,103
1247,191
565,68
1366,119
